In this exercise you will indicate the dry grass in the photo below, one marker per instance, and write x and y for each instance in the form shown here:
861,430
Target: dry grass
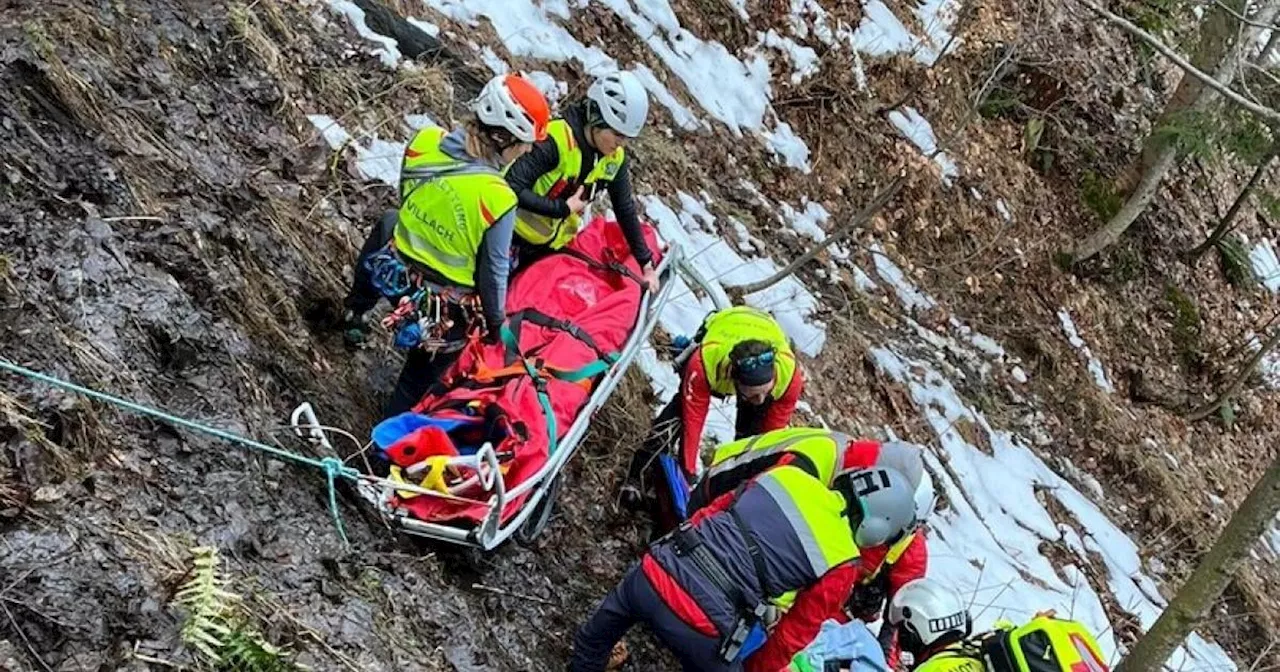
244,19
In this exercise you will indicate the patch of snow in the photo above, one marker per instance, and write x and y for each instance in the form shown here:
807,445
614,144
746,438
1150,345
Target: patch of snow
389,52
917,129
789,301
788,147
881,33
425,26
1003,210
1073,336
987,541
376,159
731,90
418,122
807,222
1265,264
804,60
1018,374
550,87
680,114
333,133
740,6
937,17
493,61
863,281
910,297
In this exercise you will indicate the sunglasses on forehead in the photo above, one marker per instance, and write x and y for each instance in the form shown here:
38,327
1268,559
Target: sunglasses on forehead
755,361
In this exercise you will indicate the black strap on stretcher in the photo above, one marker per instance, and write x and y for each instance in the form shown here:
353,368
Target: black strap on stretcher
535,316
615,266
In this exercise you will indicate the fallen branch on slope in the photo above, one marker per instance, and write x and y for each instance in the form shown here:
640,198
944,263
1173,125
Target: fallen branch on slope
877,203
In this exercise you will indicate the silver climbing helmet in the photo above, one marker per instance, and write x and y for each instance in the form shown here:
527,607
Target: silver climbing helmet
622,101
927,611
881,502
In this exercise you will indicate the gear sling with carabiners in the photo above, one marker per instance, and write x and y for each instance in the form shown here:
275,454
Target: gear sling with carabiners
748,630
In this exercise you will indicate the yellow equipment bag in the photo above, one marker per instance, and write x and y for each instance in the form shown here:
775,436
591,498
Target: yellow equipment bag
1045,644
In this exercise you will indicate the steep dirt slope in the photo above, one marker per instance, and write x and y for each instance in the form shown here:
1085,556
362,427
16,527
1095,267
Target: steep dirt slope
171,233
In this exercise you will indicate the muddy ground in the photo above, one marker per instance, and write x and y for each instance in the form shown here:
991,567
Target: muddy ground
172,233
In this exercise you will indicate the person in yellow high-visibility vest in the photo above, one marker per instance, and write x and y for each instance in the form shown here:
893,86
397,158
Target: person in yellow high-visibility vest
452,233
738,351
582,157
827,454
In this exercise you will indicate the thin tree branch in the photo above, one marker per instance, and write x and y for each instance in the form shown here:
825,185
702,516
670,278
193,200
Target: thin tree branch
1234,388
1242,18
1209,80
879,201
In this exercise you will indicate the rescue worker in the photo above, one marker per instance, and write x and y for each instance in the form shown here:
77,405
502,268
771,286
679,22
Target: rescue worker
447,248
825,454
933,623
737,351
703,589
582,157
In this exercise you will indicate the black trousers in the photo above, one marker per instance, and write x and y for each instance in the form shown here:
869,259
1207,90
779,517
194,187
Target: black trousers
632,601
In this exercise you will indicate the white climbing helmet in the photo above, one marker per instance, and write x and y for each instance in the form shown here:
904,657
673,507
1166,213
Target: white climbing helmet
513,103
622,100
928,611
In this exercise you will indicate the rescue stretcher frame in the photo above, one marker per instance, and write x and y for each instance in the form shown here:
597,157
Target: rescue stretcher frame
543,486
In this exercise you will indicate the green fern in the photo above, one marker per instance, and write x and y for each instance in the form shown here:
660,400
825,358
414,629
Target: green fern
216,627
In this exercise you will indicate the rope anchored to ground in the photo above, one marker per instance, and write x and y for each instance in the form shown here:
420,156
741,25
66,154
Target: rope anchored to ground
332,467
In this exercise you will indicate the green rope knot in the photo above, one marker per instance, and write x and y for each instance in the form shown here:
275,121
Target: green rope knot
334,469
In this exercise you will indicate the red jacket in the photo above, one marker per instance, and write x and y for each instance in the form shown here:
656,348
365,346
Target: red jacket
695,396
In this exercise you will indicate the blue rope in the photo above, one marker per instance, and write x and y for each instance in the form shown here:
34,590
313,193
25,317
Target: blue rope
332,467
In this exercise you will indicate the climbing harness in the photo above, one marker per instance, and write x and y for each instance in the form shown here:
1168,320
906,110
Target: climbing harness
426,314
748,631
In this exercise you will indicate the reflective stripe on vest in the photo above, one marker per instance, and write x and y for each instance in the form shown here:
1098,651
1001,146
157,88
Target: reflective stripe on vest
770,444
731,326
553,231
815,515
446,205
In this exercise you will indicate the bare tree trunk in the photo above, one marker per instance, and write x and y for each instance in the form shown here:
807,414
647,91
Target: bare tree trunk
1192,95
879,201
1224,224
1234,388
1210,578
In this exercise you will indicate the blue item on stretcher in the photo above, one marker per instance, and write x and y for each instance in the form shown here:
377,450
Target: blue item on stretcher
850,643
396,427
676,484
679,343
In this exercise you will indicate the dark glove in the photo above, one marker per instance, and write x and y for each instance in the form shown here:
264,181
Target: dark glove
866,602
492,333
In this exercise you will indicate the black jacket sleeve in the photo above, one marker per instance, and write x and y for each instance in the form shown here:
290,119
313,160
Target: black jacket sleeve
624,208
524,173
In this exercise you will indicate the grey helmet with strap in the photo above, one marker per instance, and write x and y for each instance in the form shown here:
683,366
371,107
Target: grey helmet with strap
881,503
622,101
929,613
